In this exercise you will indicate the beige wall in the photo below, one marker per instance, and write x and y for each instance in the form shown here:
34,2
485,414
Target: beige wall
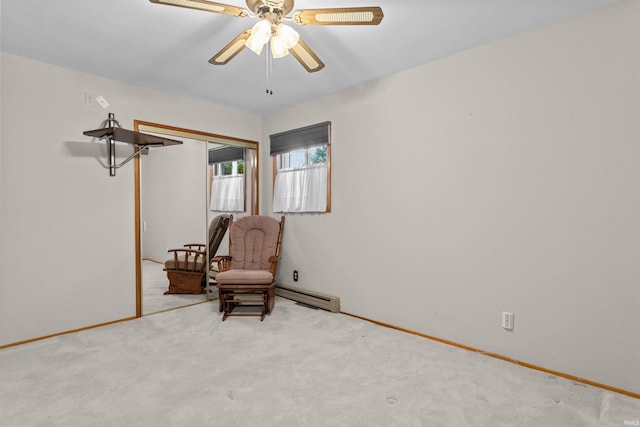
66,227
503,178
514,186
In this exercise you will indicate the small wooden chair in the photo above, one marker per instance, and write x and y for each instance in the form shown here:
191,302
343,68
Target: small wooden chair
246,276
186,270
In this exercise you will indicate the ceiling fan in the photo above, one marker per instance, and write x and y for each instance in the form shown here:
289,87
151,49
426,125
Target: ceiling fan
269,29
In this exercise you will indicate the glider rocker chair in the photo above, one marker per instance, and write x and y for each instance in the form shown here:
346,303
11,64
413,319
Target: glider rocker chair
246,276
186,270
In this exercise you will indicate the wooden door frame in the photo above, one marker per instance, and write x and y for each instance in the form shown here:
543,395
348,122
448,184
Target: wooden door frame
142,126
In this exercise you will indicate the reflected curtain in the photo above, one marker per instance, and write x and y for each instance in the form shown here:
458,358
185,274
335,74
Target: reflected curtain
301,190
227,193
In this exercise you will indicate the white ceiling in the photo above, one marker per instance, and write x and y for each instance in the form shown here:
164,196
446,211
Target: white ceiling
167,48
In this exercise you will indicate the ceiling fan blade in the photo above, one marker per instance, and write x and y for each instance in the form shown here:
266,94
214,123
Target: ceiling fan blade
339,16
234,47
306,57
208,6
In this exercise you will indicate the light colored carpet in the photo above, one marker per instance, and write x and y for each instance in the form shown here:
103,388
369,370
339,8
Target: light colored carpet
300,367
154,284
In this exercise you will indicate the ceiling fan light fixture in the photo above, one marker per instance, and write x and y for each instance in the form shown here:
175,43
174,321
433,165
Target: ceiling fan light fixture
288,35
260,34
253,45
278,47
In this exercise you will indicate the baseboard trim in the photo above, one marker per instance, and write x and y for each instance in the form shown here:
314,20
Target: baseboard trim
498,356
73,331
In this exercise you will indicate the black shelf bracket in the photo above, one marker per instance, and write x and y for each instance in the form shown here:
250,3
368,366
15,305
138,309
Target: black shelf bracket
114,132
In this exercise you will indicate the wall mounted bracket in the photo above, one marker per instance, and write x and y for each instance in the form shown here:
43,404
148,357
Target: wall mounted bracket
114,132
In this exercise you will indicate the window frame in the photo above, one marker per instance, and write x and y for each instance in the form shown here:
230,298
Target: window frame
302,138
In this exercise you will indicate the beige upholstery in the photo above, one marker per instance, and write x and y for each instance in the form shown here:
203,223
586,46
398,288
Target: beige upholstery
245,277
250,268
179,264
254,240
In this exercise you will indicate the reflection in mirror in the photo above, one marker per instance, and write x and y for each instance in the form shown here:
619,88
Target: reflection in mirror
173,213
226,178
231,172
178,194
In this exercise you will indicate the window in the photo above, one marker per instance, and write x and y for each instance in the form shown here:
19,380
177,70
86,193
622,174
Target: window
227,179
301,164
301,158
228,168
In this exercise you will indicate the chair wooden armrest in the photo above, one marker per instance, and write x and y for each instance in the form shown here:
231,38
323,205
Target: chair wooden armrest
224,262
186,268
187,260
189,251
197,246
274,264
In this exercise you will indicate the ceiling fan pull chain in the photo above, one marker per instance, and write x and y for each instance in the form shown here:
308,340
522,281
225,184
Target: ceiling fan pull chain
268,71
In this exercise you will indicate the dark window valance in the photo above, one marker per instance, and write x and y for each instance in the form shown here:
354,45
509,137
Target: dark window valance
225,154
307,136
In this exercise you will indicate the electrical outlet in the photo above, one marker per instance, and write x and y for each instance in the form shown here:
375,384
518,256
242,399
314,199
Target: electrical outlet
295,275
507,320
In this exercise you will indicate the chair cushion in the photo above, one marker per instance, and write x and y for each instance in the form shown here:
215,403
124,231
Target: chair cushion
170,264
244,277
253,240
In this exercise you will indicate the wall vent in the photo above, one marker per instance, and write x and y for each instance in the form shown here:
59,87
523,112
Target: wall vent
309,297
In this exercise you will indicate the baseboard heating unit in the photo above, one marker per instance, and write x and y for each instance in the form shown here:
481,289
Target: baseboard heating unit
309,297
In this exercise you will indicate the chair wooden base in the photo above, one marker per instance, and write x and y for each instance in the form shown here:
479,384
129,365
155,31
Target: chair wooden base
232,297
184,282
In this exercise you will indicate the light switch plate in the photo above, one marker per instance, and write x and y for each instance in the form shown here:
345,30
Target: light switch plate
103,102
507,320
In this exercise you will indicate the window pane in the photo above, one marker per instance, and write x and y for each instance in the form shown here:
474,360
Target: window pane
227,168
298,158
318,154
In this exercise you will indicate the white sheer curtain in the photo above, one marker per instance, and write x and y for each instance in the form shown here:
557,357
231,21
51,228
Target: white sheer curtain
301,190
227,193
